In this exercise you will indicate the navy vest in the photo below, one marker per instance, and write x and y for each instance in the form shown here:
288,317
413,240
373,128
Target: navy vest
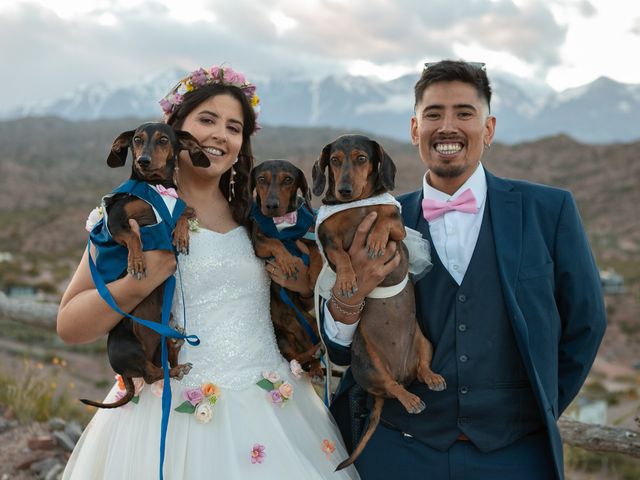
488,395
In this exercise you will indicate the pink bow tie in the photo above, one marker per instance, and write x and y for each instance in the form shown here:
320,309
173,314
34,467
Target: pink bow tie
466,202
291,217
171,192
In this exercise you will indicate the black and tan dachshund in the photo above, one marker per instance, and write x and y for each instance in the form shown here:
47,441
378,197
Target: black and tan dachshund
134,350
389,351
276,183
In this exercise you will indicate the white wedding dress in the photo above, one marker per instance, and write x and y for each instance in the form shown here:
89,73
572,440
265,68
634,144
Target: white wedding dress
226,304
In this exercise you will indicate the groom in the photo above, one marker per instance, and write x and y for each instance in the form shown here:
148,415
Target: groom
513,305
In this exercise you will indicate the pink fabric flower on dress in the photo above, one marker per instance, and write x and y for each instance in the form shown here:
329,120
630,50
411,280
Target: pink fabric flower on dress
286,390
193,395
257,453
296,368
273,377
328,447
276,397
157,387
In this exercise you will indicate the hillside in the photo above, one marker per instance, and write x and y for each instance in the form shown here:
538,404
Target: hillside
53,172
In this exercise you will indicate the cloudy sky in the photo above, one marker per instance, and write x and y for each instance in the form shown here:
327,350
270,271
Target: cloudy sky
48,47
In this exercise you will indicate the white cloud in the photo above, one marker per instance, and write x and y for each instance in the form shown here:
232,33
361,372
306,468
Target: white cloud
65,43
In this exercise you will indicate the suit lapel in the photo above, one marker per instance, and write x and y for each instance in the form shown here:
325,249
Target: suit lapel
506,221
412,213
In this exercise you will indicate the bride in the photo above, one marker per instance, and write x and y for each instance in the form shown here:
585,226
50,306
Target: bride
242,413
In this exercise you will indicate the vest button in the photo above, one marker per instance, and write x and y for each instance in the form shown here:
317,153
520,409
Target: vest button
462,298
462,327
464,390
463,358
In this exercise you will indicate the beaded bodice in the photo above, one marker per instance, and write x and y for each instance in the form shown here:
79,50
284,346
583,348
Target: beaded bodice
226,303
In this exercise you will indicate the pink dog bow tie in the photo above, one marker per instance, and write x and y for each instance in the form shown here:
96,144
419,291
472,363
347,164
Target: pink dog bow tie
466,203
171,192
291,217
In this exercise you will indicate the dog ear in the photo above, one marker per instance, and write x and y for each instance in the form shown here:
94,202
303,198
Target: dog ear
188,142
317,172
386,168
304,188
119,149
252,181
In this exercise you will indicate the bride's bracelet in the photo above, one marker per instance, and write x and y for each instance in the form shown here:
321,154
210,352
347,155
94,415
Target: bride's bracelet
339,306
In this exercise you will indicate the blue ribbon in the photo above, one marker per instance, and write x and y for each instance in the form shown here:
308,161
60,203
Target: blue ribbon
288,237
143,191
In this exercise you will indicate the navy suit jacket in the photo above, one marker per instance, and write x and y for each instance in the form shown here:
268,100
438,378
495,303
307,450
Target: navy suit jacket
551,287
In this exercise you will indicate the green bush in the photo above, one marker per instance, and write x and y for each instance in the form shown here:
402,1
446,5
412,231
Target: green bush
35,395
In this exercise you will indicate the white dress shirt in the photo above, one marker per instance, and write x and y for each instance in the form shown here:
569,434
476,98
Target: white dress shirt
454,236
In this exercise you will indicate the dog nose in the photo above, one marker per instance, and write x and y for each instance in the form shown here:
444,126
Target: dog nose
144,161
271,206
345,191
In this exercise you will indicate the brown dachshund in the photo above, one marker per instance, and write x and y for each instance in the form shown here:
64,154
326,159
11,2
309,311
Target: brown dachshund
134,350
389,351
277,183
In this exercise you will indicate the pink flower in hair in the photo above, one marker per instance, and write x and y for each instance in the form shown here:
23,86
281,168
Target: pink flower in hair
199,77
166,105
231,76
215,71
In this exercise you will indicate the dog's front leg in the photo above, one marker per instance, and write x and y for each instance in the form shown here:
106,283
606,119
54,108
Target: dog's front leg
388,225
181,232
433,380
346,282
136,265
266,247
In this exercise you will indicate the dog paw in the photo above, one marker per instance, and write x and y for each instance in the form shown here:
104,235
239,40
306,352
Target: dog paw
136,273
288,267
434,381
376,245
417,406
182,370
181,243
346,286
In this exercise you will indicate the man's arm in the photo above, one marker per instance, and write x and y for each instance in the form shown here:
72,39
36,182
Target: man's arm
336,318
579,301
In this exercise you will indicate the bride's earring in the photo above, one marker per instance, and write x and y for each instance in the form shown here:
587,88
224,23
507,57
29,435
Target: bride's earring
232,182
176,171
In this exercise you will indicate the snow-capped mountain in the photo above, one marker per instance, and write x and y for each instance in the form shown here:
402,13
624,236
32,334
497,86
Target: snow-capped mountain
600,112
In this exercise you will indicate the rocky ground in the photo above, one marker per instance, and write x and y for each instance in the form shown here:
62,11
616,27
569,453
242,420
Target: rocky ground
36,450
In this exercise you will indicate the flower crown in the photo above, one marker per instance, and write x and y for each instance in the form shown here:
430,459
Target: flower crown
201,77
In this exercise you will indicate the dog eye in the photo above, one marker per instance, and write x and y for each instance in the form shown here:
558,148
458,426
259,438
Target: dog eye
261,180
288,181
137,140
163,141
362,159
335,161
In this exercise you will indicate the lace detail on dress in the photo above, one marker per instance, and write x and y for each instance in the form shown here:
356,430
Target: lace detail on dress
226,301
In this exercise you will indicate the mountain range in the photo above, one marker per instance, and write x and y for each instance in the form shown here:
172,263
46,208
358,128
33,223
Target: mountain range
603,111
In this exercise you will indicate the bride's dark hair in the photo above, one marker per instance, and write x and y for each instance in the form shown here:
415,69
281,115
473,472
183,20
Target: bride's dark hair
240,197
